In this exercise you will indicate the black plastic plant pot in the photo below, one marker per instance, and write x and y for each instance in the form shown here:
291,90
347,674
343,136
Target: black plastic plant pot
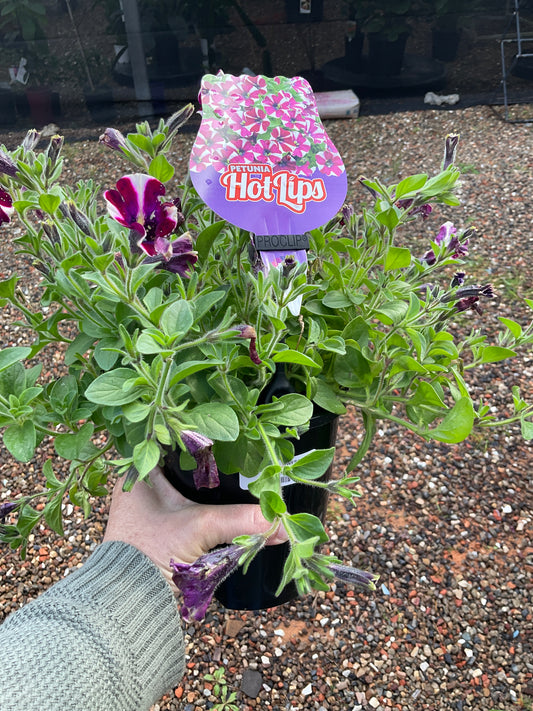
257,589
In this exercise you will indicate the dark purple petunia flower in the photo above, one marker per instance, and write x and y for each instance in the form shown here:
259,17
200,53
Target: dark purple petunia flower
447,236
199,446
423,210
354,576
114,139
450,149
6,206
135,203
199,580
7,165
246,331
177,256
458,279
6,508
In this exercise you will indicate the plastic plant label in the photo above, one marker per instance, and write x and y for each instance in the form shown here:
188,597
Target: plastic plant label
262,159
245,481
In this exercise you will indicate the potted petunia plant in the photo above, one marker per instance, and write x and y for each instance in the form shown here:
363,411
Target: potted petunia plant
186,345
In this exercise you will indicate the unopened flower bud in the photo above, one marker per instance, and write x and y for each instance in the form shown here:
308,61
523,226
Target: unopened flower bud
72,211
450,149
176,121
31,140
51,231
54,148
7,165
114,139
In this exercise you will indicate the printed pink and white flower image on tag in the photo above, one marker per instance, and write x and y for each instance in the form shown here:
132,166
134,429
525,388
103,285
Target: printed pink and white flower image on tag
262,159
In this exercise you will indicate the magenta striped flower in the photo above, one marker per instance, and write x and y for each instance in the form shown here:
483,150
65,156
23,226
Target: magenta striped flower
6,206
136,203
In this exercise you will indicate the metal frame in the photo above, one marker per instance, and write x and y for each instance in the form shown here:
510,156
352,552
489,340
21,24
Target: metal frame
519,39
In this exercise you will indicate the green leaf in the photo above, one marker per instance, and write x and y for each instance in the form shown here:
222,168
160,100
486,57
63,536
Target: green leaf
216,421
336,300
21,440
304,526
7,289
527,428
352,370
206,238
11,355
513,326
109,388
326,398
313,464
70,446
397,258
493,354
52,514
49,203
297,410
272,505
177,318
392,312
136,411
161,169
290,356
63,394
27,519
105,358
457,424
410,185
146,456
389,217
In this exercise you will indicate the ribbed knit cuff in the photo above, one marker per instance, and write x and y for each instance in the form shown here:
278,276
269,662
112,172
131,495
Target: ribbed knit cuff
125,588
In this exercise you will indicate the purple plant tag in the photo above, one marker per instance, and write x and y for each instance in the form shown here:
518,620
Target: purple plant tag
262,159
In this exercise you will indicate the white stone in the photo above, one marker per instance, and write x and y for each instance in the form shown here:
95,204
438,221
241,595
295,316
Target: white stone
374,702
279,633
265,660
307,690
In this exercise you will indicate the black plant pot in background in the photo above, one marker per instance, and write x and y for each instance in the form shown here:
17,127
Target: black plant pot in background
385,57
445,44
256,590
100,104
8,111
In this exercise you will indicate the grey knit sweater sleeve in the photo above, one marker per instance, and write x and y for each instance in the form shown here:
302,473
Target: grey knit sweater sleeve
106,638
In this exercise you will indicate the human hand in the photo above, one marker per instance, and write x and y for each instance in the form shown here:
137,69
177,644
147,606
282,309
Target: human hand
163,524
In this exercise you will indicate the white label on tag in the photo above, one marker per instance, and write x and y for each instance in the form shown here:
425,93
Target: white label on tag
245,481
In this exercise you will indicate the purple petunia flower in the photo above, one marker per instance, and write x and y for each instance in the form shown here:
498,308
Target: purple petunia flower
447,236
177,256
135,203
113,138
6,508
354,576
6,206
450,149
199,446
7,165
199,580
424,210
246,331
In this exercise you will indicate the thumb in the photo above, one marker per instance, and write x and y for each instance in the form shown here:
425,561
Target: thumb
226,522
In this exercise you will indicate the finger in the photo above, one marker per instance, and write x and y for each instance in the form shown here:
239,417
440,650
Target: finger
223,523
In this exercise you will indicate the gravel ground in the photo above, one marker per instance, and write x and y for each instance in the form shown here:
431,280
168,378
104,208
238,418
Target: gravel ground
448,528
